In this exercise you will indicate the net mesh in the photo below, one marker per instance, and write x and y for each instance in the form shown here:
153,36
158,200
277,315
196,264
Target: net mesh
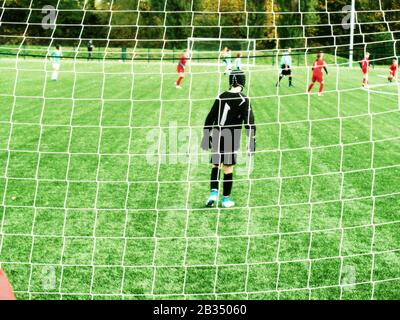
103,183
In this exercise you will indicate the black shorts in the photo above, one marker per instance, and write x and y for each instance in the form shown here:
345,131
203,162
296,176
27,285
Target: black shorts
223,153
285,72
228,159
224,148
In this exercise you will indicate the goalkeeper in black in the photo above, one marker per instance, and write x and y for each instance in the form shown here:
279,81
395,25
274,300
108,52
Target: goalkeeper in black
223,133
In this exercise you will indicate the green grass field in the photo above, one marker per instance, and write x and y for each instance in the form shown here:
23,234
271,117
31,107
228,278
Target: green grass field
97,202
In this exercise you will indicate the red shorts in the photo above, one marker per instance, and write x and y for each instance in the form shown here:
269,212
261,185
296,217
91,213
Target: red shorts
180,69
393,74
364,71
317,78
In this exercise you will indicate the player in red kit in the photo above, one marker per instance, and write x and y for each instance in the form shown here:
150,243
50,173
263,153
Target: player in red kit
318,75
393,70
181,69
364,64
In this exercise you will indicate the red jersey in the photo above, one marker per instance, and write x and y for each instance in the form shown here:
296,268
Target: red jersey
364,64
393,69
182,62
317,68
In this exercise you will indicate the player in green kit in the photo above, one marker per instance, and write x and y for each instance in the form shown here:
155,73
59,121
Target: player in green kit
56,57
286,68
238,62
226,55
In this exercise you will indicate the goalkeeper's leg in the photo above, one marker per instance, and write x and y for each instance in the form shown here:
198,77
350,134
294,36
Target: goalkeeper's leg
228,184
214,186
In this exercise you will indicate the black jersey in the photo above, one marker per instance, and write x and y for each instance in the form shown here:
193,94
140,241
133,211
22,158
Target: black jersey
224,123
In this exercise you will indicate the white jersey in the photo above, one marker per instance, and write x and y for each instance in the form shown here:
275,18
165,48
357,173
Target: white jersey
238,64
227,57
286,60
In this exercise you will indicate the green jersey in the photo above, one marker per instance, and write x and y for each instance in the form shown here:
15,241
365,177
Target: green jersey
56,56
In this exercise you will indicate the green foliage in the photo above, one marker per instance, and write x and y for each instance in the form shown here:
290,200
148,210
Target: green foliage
172,20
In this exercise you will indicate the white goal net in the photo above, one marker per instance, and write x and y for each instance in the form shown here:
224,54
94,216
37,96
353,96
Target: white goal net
210,51
103,183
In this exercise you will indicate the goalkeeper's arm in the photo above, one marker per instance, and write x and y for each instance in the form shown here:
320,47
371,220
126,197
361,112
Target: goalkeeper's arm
251,129
211,120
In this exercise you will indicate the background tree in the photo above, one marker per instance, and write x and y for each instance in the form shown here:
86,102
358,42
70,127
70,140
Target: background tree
176,20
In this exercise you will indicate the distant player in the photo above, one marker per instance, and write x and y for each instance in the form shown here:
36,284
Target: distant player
318,75
286,68
181,68
393,70
222,134
365,64
226,55
238,62
56,57
90,48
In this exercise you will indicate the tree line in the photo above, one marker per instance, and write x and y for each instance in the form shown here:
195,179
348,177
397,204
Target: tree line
121,23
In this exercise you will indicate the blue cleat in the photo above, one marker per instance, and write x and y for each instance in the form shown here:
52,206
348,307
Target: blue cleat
213,199
227,203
